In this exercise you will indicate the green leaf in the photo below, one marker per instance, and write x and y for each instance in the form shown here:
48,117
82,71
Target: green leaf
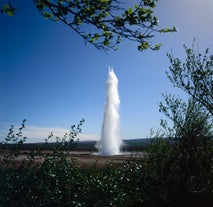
96,36
10,13
106,14
117,18
136,6
157,47
78,21
166,30
8,9
129,11
143,46
106,42
47,15
92,40
149,3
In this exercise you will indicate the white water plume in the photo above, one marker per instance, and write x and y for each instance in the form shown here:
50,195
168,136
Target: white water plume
110,139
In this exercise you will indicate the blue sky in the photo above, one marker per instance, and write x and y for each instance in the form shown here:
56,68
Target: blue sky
51,78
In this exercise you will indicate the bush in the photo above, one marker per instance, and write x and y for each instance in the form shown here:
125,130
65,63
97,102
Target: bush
180,168
168,174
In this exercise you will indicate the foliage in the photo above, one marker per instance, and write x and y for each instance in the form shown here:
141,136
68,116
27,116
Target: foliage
29,182
8,9
192,147
13,142
55,180
194,76
174,171
189,119
179,170
150,181
14,138
177,178
39,186
104,23
187,155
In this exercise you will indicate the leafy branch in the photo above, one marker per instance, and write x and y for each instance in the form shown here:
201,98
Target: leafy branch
8,9
110,21
194,76
104,23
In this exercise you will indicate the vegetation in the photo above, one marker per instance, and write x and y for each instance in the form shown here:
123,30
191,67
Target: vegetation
182,166
184,162
177,171
194,76
174,172
103,23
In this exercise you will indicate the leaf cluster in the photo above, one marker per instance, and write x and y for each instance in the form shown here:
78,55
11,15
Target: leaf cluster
10,148
8,9
181,164
103,23
156,179
194,76
14,140
187,118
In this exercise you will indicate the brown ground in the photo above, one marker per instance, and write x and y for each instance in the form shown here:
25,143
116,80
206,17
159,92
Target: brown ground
88,158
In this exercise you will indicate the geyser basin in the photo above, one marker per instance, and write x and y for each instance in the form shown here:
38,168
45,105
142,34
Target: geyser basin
110,139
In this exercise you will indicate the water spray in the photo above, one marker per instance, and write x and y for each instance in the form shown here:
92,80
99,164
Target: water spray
110,139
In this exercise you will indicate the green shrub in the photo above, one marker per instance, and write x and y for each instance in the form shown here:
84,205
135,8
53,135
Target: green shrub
168,174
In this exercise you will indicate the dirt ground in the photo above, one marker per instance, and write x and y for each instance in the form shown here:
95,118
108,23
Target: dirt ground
88,158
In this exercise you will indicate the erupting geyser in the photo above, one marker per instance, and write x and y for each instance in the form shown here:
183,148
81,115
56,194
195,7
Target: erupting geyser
110,139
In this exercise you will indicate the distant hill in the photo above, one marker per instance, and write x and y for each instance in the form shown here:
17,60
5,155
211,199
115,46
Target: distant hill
128,145
136,144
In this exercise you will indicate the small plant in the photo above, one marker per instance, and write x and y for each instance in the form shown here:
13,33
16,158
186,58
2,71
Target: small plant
51,182
10,147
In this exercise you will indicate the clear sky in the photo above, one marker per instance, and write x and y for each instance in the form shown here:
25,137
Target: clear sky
51,78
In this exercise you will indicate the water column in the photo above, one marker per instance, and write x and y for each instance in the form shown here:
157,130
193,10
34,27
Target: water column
110,138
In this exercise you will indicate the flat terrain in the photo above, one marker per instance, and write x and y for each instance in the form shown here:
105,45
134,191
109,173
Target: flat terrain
88,158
